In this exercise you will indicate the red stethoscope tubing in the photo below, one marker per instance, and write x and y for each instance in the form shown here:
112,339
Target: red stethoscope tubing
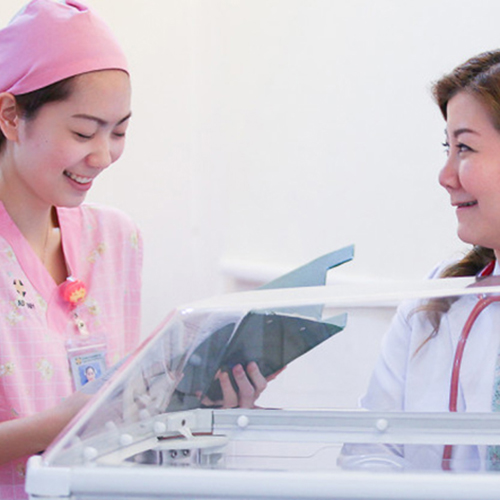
480,306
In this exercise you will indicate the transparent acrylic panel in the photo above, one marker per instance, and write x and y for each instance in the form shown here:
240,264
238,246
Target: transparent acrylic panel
157,429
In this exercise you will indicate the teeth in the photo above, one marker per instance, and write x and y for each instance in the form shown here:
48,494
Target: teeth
77,178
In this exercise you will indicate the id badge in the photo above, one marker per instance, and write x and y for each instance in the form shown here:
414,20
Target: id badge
86,353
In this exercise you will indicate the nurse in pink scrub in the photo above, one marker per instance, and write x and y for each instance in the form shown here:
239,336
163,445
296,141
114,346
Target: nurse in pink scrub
68,270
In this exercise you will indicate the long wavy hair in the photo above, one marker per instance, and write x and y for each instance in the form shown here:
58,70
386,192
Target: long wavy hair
470,265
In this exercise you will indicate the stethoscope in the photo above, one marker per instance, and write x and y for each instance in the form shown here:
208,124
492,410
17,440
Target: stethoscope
480,306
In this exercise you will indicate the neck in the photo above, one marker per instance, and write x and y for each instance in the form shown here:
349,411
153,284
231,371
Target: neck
34,225
37,225
497,255
32,216
45,242
35,218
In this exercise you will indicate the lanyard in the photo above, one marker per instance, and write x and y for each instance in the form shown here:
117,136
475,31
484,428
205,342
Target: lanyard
480,306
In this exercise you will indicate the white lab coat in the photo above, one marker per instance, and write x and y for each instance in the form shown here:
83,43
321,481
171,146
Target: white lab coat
407,378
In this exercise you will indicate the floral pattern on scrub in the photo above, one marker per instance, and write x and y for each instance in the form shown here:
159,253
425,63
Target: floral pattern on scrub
103,249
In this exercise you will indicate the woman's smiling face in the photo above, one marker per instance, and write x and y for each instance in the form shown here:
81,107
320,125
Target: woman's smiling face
60,151
471,174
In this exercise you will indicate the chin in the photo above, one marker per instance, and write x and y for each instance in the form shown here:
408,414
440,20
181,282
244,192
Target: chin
468,235
71,203
467,239
478,241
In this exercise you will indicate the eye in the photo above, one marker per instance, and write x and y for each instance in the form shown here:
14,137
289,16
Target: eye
83,136
463,148
120,130
446,146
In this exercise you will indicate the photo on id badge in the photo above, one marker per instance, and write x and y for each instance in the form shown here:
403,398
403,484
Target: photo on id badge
87,367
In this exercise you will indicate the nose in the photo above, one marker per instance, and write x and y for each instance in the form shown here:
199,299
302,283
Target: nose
448,176
101,155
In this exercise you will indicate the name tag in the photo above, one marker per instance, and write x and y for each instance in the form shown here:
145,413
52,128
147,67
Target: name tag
86,353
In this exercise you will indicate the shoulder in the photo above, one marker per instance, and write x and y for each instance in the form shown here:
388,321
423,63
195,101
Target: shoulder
105,215
92,225
438,269
100,218
412,316
407,307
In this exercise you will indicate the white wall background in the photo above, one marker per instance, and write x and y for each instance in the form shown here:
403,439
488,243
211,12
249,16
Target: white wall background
268,132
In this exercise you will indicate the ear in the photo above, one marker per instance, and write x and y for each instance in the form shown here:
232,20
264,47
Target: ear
9,116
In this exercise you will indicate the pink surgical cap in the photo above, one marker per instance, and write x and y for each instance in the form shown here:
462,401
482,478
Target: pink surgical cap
48,41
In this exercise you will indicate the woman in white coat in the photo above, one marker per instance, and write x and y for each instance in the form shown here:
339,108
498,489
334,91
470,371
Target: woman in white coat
415,368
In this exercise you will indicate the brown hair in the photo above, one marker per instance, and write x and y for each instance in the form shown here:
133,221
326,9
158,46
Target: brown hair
30,103
470,265
479,76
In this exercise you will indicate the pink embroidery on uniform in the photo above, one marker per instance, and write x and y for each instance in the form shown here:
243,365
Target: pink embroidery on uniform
45,368
13,317
134,240
95,254
6,369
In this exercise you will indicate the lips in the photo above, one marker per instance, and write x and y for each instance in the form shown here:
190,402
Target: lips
465,204
78,178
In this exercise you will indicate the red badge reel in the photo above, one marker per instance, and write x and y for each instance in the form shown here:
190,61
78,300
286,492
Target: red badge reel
73,291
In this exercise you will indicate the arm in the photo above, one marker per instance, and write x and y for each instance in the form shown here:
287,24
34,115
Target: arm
30,435
387,387
386,392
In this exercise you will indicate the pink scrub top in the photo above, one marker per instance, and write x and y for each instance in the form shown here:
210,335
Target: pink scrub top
103,249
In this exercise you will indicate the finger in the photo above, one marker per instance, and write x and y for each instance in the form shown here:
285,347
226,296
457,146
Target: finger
229,396
205,401
246,390
258,380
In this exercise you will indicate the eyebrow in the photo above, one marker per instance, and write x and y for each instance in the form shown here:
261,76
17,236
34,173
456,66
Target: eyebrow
98,120
460,131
